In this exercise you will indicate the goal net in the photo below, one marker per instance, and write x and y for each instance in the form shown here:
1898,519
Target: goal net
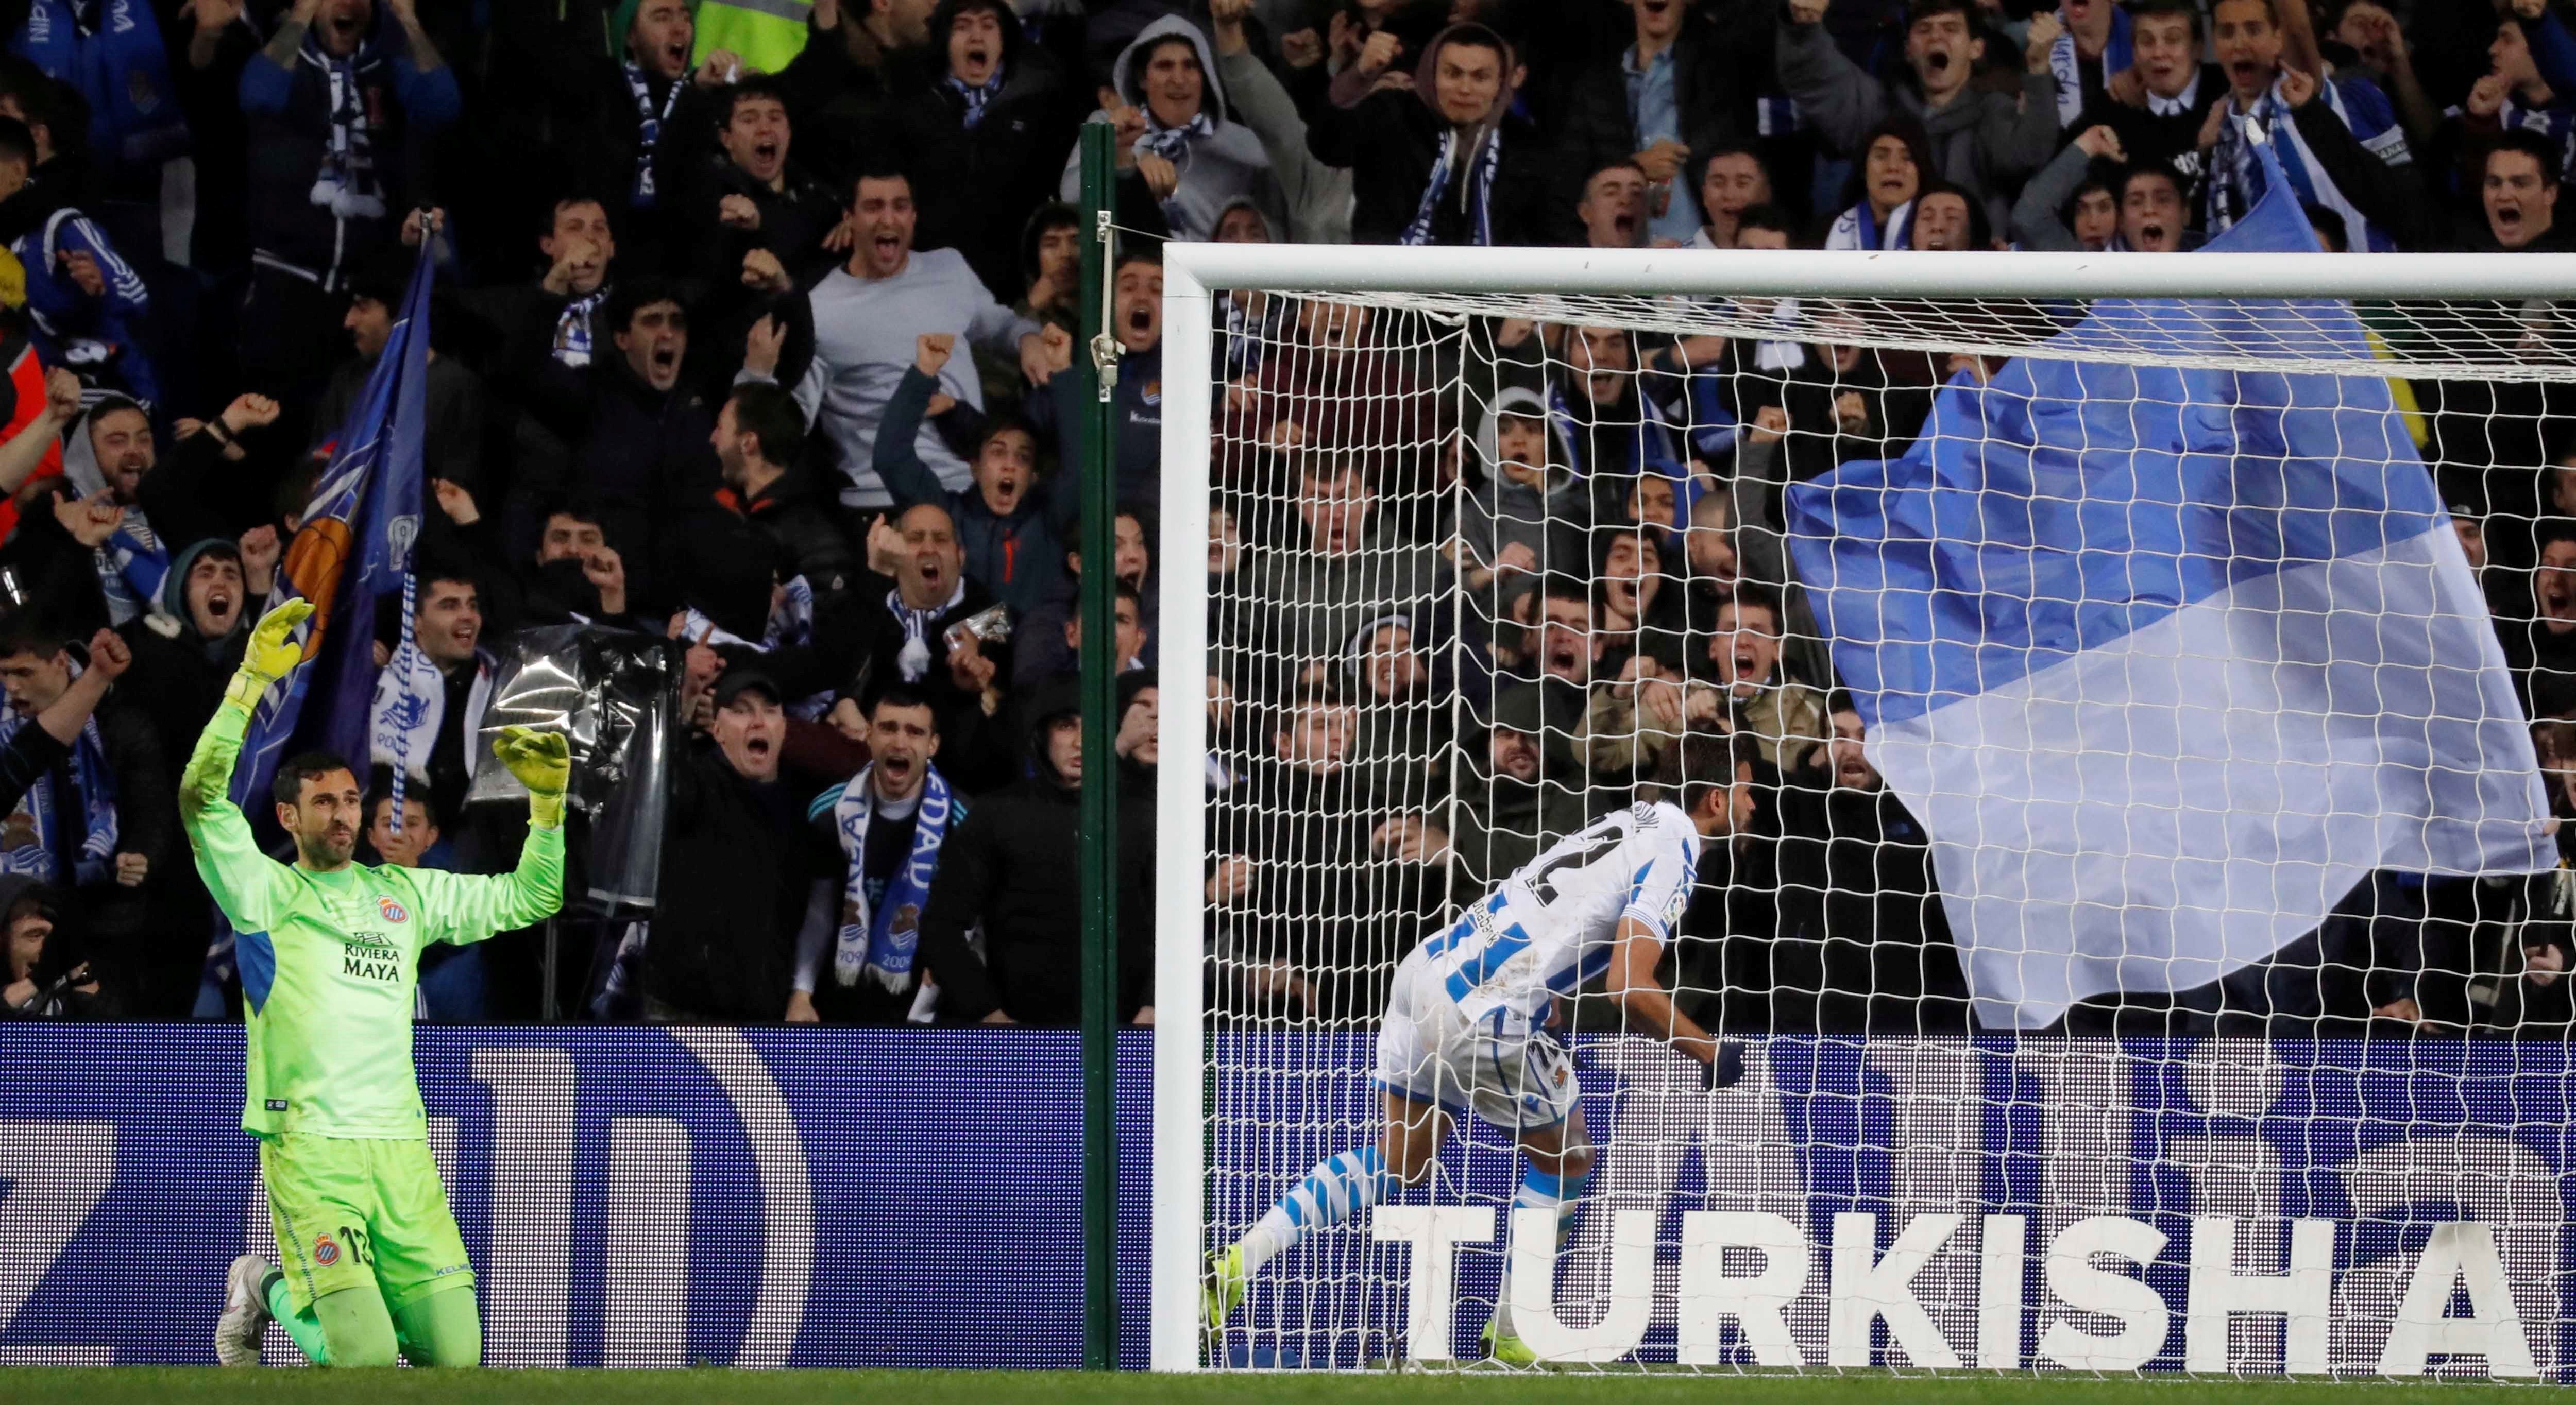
2122,706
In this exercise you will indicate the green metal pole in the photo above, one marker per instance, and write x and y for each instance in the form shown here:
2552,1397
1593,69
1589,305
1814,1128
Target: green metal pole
1099,764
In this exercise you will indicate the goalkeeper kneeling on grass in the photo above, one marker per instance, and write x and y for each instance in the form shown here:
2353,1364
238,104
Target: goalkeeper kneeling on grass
1467,1025
330,949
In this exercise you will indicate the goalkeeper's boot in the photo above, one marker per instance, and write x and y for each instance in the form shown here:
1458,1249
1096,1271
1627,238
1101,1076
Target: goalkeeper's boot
1221,1291
245,1317
1506,1348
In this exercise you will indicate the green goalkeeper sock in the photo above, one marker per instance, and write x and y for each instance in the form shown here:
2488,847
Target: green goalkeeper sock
304,1327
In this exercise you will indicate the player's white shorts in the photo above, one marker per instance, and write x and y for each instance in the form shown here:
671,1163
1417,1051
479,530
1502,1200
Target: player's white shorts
1500,1066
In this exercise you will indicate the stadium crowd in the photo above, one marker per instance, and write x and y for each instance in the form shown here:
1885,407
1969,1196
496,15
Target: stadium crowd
753,331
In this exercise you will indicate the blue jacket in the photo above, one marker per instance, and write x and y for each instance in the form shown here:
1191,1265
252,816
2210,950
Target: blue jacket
1019,557
119,68
90,334
314,204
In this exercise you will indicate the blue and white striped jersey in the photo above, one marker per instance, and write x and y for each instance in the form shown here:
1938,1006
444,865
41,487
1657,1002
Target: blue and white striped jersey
1552,924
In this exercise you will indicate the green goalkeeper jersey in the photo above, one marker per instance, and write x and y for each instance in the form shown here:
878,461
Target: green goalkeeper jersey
329,960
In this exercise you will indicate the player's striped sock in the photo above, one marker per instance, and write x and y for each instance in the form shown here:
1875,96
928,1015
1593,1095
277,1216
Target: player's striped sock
1340,1186
305,1328
1538,1191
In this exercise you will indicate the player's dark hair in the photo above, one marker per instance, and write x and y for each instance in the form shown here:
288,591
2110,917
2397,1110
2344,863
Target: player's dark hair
1702,762
768,412
294,771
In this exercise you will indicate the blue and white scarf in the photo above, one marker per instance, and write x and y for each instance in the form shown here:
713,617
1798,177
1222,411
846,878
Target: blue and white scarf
34,829
648,129
2236,172
790,626
880,939
914,661
346,183
132,567
572,330
1173,143
1479,194
2068,70
977,98
410,706
1857,228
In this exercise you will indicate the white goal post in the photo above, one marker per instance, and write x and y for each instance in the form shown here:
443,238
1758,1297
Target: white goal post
2001,306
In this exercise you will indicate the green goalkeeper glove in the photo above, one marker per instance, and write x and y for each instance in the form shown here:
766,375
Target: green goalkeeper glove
543,763
270,655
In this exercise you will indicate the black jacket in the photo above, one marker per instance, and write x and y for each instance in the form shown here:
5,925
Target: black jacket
724,555
974,751
978,184
1598,128
634,448
1390,141
1862,933
1014,867
291,148
737,867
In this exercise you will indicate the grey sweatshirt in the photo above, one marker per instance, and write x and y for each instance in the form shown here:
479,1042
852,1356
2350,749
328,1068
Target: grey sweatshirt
864,330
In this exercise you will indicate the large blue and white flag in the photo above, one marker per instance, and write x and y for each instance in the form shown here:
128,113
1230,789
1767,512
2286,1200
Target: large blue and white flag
352,546
2167,659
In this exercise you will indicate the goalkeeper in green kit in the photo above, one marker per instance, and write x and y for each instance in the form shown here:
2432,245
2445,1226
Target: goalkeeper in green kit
329,951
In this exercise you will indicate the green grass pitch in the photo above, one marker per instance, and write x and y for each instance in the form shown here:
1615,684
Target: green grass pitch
183,1385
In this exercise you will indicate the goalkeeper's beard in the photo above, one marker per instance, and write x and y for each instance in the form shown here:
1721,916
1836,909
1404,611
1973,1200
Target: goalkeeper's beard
331,849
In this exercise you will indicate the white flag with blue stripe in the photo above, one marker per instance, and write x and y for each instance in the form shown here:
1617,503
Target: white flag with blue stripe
2167,660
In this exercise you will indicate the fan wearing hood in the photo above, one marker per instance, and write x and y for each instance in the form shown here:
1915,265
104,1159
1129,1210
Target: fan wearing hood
1174,136
1524,509
191,642
97,541
1013,869
1442,160
988,128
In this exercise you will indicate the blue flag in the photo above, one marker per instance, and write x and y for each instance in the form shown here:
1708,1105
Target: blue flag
2167,658
352,547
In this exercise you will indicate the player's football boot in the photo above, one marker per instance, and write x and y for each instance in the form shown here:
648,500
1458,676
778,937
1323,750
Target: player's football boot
245,1317
1222,1288
1506,1348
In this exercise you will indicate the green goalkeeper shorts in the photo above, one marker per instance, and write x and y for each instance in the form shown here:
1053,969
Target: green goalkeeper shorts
360,1214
